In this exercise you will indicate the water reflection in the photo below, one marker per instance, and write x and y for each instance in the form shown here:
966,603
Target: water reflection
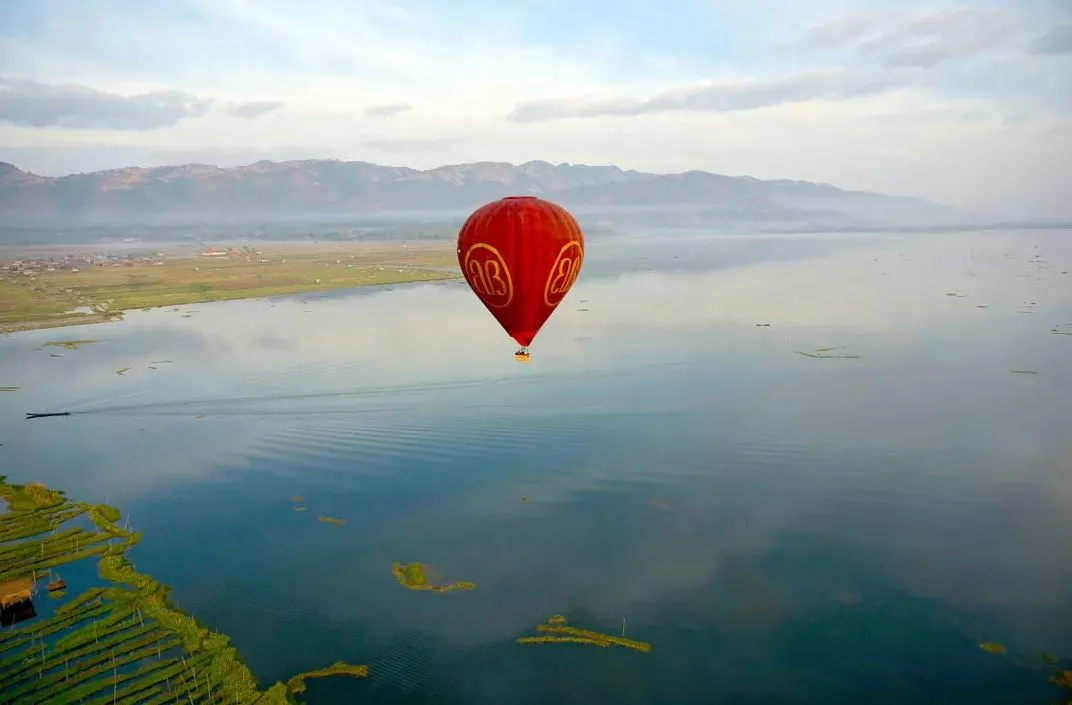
778,527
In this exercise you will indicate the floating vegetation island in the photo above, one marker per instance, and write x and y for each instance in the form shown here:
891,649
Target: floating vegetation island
67,344
828,352
1059,675
556,631
296,684
124,642
418,576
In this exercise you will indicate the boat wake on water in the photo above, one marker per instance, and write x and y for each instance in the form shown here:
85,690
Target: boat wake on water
259,405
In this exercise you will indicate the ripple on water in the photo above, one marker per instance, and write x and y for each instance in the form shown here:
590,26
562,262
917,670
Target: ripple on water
407,664
370,448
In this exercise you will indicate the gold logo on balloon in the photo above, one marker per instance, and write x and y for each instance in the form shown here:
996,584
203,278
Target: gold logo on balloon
563,272
486,271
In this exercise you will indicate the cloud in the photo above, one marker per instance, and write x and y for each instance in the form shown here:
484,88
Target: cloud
414,145
1058,40
1063,129
377,111
917,39
254,109
42,105
64,159
737,96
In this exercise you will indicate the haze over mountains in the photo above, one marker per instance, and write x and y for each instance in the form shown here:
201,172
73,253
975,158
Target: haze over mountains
269,191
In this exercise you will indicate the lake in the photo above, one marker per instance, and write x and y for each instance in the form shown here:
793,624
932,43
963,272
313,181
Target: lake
780,528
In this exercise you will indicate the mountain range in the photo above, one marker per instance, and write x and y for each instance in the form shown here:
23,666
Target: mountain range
271,190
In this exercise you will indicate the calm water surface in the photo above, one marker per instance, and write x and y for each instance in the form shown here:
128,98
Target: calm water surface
782,529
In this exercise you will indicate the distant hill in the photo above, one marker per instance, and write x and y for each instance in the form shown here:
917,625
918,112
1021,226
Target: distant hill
271,190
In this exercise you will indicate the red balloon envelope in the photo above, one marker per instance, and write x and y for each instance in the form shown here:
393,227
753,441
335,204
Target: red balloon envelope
520,256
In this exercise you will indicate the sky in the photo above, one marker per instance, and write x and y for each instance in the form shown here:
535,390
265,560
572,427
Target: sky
965,103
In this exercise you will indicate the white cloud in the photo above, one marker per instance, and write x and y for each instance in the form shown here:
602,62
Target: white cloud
32,104
923,39
741,95
387,110
1057,40
253,109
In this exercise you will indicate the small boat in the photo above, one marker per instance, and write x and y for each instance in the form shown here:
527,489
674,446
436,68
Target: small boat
56,584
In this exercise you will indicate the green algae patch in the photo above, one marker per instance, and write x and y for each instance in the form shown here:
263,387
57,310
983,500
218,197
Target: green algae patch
1059,674
296,684
418,576
325,519
67,344
829,353
557,631
563,640
123,643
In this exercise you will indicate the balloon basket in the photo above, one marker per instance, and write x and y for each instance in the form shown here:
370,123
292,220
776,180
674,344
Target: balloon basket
523,355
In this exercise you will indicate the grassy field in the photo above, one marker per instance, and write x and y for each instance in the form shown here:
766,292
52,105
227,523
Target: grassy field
95,294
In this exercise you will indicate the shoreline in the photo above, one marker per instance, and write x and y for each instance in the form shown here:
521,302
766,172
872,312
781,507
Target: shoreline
85,286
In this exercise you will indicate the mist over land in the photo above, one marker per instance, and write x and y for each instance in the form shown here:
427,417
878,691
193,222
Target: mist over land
350,200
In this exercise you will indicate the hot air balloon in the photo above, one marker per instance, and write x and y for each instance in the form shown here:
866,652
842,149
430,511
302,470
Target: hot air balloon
520,256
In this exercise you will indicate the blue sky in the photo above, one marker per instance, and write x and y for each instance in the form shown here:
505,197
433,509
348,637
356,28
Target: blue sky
968,103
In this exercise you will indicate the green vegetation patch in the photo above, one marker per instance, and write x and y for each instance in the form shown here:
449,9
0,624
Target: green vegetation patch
296,684
418,576
67,344
123,643
828,352
1059,674
557,631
